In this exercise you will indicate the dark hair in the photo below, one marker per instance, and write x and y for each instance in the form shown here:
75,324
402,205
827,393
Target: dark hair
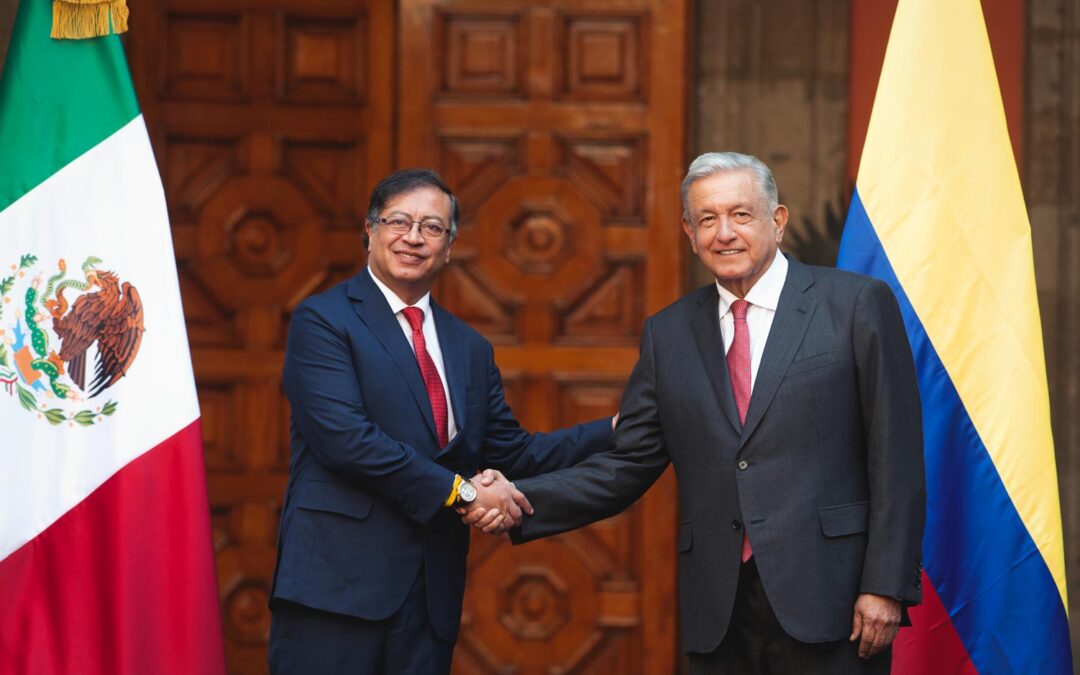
402,182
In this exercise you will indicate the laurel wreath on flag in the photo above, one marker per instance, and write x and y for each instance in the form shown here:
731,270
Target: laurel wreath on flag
10,379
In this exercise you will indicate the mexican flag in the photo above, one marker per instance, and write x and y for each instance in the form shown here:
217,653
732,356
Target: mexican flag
106,560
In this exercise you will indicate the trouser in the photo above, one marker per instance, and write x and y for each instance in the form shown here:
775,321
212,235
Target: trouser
755,643
306,641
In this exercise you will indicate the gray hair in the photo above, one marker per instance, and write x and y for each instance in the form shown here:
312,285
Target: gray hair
715,162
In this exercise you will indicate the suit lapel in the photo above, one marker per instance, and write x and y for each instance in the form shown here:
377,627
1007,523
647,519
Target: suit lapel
793,313
705,327
452,344
374,311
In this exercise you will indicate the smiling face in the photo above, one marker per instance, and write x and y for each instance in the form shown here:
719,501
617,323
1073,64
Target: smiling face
732,229
409,263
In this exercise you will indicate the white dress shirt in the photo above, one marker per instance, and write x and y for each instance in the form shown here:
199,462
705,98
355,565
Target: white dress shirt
763,298
431,338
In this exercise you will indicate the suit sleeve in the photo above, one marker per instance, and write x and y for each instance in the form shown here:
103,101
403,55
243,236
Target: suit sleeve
517,453
608,482
892,422
328,408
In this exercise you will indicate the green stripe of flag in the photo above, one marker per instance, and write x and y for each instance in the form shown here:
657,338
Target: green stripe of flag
58,99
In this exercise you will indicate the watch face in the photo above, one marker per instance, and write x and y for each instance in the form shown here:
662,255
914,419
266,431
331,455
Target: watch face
467,492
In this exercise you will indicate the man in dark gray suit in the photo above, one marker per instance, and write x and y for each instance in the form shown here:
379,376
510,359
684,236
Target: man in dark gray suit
785,396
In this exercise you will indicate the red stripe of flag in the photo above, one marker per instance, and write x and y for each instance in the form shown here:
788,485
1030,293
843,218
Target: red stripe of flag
930,644
124,582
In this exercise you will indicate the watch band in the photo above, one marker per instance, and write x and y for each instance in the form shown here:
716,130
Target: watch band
453,498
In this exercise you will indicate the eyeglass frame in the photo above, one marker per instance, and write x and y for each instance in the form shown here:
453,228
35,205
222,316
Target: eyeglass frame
445,230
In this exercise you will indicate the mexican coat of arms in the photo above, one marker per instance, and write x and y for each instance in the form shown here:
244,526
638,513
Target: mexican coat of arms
64,341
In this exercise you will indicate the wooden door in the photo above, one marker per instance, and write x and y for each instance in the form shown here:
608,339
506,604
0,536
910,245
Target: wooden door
561,125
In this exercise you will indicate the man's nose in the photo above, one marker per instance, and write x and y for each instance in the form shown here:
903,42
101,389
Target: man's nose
413,236
724,230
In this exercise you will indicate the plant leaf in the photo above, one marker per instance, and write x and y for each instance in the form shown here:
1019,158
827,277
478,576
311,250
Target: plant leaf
26,398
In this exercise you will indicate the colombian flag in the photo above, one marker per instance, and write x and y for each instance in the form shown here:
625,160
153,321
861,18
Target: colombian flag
938,213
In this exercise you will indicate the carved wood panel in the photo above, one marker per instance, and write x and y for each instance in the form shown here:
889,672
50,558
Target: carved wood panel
561,126
270,120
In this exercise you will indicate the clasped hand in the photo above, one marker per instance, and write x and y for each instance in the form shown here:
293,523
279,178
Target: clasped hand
498,505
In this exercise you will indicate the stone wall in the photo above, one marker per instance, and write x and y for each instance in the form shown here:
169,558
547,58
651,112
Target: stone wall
1051,178
771,81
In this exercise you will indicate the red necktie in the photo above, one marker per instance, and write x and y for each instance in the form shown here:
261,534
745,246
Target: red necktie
738,364
436,393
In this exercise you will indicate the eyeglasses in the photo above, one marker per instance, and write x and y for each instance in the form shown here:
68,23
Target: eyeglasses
431,228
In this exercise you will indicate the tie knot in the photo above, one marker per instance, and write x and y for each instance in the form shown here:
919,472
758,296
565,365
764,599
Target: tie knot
415,317
738,309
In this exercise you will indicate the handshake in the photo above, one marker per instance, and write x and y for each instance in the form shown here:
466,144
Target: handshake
498,505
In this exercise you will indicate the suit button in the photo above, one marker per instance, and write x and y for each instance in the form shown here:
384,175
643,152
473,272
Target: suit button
736,525
743,464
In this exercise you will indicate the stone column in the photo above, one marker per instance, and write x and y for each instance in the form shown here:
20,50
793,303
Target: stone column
772,82
1051,177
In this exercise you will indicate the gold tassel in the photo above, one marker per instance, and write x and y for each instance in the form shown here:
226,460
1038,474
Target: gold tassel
79,19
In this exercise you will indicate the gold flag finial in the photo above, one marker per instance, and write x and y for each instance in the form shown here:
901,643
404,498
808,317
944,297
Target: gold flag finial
79,19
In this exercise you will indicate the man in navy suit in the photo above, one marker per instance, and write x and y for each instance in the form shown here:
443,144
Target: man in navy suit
394,403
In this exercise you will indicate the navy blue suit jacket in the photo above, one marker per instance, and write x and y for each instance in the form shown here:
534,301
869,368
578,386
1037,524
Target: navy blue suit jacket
367,479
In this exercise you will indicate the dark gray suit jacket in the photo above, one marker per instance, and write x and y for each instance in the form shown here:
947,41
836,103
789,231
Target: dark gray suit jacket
826,476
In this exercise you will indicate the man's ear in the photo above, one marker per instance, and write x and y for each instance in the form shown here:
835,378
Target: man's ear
780,218
689,230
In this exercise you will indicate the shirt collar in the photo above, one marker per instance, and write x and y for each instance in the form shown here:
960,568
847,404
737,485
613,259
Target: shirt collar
396,303
766,292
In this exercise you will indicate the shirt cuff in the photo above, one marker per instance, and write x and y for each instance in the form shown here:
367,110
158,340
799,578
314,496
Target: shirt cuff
453,492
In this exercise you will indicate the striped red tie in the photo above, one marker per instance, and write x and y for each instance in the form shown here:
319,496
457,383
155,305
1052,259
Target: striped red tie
436,393
738,363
